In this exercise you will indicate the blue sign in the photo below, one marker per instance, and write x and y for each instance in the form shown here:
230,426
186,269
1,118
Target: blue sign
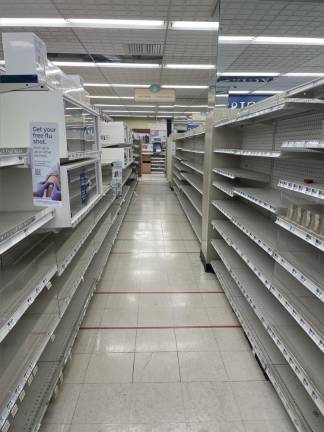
243,101
192,125
244,79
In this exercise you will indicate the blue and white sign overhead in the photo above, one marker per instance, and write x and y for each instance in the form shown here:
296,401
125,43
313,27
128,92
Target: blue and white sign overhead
243,101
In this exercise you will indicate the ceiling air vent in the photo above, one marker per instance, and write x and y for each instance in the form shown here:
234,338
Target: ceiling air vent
138,49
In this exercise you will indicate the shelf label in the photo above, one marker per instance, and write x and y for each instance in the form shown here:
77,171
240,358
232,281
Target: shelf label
45,164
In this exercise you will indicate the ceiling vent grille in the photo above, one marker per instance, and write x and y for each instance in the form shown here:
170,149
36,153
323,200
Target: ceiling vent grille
138,49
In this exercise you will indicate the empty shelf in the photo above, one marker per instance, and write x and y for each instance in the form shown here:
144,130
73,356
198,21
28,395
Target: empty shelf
275,107
298,404
194,198
22,281
224,186
16,225
303,144
12,157
241,173
191,150
269,199
306,310
301,232
314,190
191,214
300,260
301,354
252,153
196,168
194,181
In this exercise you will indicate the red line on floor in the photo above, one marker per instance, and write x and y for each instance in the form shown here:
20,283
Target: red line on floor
160,327
158,292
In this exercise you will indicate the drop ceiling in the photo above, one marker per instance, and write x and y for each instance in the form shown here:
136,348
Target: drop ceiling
237,18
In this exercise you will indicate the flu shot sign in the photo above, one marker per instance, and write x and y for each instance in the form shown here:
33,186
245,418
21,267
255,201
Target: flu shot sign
45,164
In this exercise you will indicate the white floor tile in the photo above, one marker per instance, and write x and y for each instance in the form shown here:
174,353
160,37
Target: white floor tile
122,301
242,366
231,339
190,316
282,425
201,366
103,403
156,367
257,401
210,401
159,316
119,318
236,426
196,340
155,340
160,403
117,341
98,428
110,368
55,428
158,427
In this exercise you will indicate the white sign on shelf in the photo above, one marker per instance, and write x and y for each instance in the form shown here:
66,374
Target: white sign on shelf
45,164
117,177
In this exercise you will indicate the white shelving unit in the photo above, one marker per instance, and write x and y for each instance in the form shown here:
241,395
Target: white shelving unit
271,268
188,175
21,351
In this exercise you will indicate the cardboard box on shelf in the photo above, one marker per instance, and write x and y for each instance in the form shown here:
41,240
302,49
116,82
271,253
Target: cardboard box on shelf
146,167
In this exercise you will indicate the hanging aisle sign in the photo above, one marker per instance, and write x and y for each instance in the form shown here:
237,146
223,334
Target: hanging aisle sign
45,164
117,177
243,101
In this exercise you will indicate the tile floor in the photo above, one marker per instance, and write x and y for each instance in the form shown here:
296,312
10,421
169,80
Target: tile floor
154,354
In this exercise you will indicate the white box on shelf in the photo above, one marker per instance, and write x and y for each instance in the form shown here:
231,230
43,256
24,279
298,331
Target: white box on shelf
25,54
77,123
124,154
114,133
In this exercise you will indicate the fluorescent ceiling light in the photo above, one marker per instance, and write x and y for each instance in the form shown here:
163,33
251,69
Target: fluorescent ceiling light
270,40
176,86
191,106
32,22
195,25
117,85
180,112
74,64
130,65
189,66
117,23
125,106
81,22
248,74
277,40
235,39
303,74
111,97
130,111
264,92
108,65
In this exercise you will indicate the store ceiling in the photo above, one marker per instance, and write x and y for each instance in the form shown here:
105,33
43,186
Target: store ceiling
302,19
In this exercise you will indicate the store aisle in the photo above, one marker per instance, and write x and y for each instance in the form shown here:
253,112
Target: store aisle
160,348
